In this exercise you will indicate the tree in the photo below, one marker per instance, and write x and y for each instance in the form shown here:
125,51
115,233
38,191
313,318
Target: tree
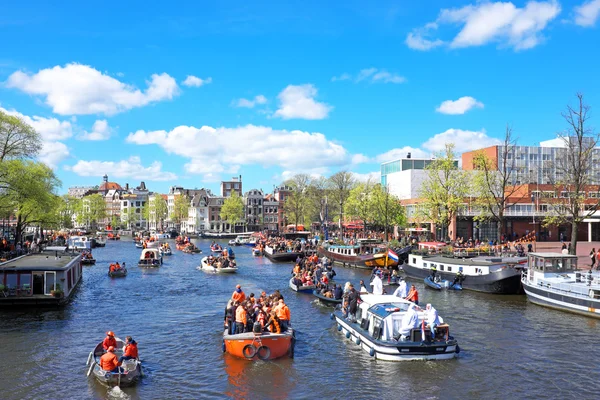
17,138
574,170
388,210
493,183
296,203
361,203
444,189
316,194
94,210
340,185
232,210
180,209
69,206
157,210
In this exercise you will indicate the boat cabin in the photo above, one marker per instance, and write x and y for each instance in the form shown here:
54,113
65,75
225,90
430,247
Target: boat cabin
150,257
79,243
467,266
557,263
46,278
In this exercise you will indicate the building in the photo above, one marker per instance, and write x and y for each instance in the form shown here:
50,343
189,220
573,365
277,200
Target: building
198,214
271,209
154,222
253,204
391,168
133,202
234,185
80,191
281,194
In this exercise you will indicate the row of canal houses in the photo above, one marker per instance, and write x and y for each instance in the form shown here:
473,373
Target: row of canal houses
262,211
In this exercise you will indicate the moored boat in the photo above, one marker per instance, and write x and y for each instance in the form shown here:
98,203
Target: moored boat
129,372
553,280
367,254
483,274
165,251
439,284
301,289
328,301
204,266
150,258
261,346
378,330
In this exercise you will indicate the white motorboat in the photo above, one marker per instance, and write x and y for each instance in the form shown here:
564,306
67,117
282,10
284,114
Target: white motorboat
79,243
552,280
150,258
378,326
218,270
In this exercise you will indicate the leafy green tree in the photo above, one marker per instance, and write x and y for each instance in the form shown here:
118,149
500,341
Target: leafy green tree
297,203
316,193
180,209
361,203
232,210
443,190
69,206
94,210
340,185
17,139
158,210
388,210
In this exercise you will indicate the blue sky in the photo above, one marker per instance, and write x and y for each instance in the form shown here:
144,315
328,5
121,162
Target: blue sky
189,93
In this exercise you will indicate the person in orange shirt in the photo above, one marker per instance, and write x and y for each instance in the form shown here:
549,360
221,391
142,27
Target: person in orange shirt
413,295
108,361
109,340
131,350
238,295
241,318
283,313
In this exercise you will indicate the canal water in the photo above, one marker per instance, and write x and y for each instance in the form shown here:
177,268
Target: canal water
510,348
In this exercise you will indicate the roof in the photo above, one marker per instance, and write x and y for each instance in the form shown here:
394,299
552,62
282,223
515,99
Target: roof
40,262
110,186
552,255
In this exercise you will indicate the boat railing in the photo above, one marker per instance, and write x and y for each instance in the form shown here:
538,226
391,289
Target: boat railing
570,288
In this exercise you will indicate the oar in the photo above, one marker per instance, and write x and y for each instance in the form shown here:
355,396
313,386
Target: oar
91,368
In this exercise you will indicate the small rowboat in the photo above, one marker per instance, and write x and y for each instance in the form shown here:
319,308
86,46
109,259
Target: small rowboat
88,261
256,252
301,289
139,245
216,249
209,268
165,251
261,346
128,374
441,284
328,301
190,249
120,273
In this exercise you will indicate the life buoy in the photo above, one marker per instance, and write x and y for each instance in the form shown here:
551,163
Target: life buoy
591,293
263,352
249,351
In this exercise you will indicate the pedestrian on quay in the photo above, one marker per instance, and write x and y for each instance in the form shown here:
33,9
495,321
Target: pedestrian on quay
593,257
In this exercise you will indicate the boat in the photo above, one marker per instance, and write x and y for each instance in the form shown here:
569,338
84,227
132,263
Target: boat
88,261
120,273
48,278
328,301
159,236
281,256
243,239
139,245
190,248
498,275
232,242
79,243
439,284
378,320
150,258
256,252
301,289
165,251
216,248
553,280
112,236
130,371
100,241
209,268
366,254
261,345
219,235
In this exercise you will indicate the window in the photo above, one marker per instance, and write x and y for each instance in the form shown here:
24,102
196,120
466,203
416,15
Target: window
236,186
228,186
449,268
441,267
125,203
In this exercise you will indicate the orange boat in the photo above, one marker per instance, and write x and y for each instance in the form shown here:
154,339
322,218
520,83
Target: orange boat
262,346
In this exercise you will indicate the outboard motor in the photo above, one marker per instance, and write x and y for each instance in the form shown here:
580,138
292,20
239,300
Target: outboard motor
257,327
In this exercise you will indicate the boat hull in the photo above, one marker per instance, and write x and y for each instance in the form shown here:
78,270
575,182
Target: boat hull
88,261
396,351
506,281
326,300
118,274
208,268
368,261
301,289
562,301
283,257
265,346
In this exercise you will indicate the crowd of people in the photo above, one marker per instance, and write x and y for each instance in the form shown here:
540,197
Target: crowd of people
256,314
109,361
114,267
221,261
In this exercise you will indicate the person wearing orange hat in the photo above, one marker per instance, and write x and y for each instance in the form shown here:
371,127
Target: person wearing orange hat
109,361
109,340
238,295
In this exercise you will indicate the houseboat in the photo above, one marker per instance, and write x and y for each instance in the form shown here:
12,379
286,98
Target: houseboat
48,278
552,280
367,253
79,243
498,275
378,330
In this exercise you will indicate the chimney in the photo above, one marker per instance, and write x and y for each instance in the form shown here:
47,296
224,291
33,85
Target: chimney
408,155
127,187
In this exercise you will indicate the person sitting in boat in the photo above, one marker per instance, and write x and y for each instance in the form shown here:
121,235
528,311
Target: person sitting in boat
112,268
324,279
377,283
109,340
117,266
297,281
410,321
130,352
109,361
433,319
238,295
338,292
413,295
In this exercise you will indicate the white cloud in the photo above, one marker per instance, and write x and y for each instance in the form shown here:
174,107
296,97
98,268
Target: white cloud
52,153
459,106
485,22
260,99
81,89
373,177
360,159
50,129
100,131
299,102
587,14
194,81
463,140
373,75
402,152
131,168
254,145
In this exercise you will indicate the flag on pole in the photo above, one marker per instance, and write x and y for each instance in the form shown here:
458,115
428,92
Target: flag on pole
392,255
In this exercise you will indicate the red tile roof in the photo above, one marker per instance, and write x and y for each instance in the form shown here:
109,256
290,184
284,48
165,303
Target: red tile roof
110,186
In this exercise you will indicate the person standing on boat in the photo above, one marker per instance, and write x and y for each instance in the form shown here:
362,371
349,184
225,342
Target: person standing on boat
413,295
433,319
402,289
433,272
238,295
109,340
130,352
109,361
283,313
593,257
363,288
241,318
377,284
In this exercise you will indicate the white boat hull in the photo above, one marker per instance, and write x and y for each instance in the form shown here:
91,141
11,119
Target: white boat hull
208,268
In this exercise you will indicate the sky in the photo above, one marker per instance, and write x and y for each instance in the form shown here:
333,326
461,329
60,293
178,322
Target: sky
189,93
